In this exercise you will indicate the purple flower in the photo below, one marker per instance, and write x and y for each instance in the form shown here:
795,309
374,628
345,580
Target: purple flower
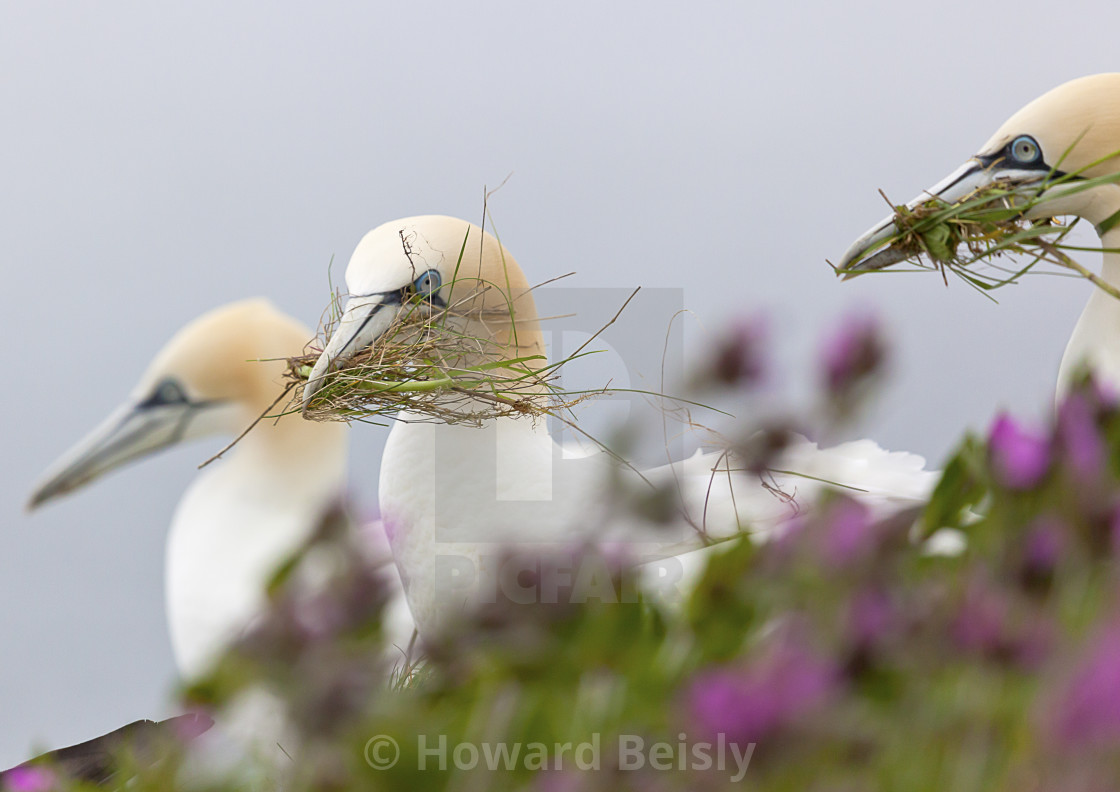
1019,458
788,539
763,447
1104,393
870,617
1088,709
1043,545
27,778
320,616
840,534
849,532
1034,646
1081,441
852,354
777,688
981,623
740,356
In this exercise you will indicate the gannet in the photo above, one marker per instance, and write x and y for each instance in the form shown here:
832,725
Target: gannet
452,495
245,514
1074,128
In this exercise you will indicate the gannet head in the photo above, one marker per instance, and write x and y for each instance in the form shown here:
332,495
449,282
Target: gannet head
439,261
206,380
1072,129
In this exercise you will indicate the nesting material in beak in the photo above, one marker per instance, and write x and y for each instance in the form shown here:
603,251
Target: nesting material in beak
973,218
446,363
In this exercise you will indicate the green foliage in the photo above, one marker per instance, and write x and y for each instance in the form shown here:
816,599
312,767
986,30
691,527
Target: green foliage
848,654
845,652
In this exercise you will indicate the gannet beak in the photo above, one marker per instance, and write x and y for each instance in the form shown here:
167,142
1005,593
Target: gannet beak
132,431
865,255
363,321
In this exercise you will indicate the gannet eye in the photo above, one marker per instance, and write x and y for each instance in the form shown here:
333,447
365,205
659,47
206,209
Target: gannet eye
167,392
428,283
1025,150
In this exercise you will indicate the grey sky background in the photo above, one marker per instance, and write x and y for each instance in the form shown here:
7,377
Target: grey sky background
159,160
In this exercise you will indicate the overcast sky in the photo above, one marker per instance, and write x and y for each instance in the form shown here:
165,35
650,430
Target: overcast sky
157,161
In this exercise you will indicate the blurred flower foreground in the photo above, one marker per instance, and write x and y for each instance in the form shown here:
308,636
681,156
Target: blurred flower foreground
842,655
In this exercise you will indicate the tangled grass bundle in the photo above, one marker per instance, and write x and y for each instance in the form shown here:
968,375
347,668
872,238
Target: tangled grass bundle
440,364
982,228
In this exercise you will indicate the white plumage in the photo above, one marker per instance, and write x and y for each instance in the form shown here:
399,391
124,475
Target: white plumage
246,513
452,497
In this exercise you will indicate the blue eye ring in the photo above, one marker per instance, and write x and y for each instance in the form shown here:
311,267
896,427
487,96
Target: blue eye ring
1024,150
428,283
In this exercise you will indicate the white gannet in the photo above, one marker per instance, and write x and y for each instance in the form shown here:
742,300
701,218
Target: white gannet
452,495
1074,128
245,514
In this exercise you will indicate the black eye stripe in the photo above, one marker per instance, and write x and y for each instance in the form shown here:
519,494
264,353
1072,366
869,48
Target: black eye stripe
426,286
165,393
1006,157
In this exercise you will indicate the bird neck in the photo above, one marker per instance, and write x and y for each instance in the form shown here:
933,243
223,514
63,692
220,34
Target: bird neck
307,456
238,521
448,492
496,338
496,452
1094,340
